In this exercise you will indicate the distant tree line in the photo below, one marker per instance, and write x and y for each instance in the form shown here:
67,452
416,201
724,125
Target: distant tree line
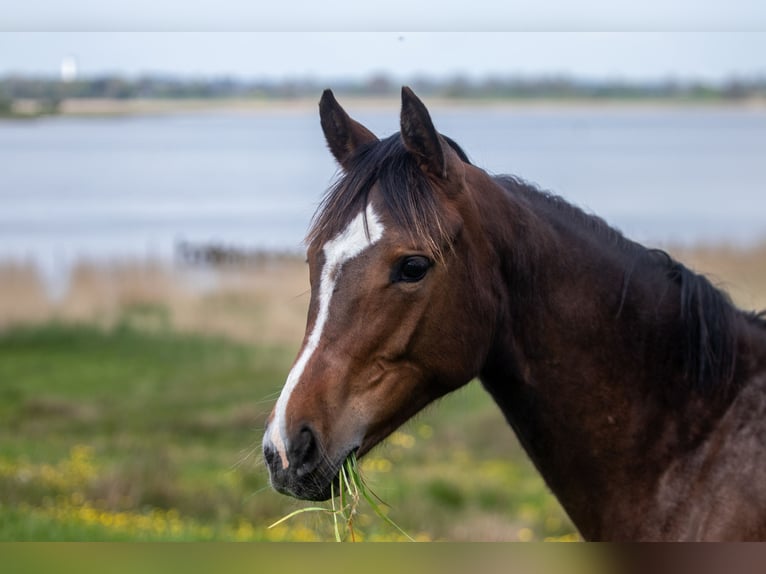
52,90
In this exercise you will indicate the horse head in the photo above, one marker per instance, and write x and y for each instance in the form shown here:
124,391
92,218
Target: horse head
398,315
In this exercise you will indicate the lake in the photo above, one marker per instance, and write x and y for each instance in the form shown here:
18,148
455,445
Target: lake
105,188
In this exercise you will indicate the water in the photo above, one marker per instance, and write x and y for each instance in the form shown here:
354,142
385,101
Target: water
133,187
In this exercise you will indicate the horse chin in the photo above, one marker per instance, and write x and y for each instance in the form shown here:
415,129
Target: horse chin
308,490
307,487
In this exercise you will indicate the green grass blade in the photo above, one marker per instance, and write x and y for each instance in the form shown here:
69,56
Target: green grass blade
350,484
300,511
346,485
334,511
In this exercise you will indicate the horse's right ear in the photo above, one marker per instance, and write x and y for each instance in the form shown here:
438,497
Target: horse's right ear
343,134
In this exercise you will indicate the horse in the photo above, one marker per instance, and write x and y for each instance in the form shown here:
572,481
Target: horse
635,386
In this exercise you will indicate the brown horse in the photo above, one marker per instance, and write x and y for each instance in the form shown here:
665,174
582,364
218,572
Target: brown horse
635,386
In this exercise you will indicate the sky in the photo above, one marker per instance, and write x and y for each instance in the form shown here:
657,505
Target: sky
326,39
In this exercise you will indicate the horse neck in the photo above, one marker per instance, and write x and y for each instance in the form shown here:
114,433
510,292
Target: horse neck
580,368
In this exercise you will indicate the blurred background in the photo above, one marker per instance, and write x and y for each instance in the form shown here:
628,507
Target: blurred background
155,188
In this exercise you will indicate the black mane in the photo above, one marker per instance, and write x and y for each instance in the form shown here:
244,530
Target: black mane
707,315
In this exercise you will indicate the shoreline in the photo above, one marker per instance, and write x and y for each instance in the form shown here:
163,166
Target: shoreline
102,107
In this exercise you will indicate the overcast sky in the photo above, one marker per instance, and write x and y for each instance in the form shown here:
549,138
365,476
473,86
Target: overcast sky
653,39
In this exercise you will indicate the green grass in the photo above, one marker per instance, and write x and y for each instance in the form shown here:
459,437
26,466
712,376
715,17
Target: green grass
147,434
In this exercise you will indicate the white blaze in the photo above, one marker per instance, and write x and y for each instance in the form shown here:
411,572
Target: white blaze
344,247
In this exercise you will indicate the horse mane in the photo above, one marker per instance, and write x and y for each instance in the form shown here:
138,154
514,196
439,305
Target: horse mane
707,316
404,188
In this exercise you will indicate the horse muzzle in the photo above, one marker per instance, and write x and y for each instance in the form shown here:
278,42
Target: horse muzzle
308,474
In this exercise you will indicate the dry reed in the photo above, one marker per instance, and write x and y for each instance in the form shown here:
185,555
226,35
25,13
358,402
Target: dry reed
260,303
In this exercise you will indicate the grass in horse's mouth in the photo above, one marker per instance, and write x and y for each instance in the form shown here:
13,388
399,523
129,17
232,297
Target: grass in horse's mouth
344,510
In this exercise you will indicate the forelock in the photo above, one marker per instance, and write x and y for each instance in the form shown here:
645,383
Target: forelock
406,194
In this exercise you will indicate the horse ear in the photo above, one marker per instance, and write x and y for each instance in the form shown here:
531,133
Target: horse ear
419,135
343,134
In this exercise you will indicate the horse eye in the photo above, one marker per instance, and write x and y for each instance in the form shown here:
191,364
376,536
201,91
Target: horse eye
413,268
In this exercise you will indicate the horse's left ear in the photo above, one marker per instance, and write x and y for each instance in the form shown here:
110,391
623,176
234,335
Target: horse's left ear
419,135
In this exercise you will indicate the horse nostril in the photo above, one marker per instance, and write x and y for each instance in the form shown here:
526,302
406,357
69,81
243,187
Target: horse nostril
304,453
270,455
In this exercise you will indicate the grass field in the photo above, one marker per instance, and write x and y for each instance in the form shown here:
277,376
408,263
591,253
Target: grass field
124,434
132,408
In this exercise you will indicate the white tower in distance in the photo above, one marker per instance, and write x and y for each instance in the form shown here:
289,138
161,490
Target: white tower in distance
69,69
